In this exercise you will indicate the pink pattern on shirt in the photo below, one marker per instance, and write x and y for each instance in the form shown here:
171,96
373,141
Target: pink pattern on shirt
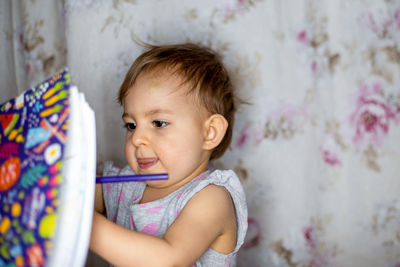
108,188
142,205
150,228
116,169
131,222
121,197
155,209
199,177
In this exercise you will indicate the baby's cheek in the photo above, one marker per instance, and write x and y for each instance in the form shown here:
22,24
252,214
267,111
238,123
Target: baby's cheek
126,151
128,138
130,157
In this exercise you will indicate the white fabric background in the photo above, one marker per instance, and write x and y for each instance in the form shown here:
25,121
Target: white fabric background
318,148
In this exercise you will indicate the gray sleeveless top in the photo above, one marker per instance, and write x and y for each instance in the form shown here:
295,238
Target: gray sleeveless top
122,206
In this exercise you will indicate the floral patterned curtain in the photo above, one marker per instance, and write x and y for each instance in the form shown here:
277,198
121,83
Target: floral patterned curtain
317,147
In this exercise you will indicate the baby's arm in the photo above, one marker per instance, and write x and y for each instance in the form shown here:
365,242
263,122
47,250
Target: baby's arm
208,220
99,201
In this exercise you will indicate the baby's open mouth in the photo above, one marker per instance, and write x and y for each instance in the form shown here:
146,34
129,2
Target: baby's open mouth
145,163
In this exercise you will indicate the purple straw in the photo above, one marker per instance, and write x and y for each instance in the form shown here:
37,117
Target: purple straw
131,178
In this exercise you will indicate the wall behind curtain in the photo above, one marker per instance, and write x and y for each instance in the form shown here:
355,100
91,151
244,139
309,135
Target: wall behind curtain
317,148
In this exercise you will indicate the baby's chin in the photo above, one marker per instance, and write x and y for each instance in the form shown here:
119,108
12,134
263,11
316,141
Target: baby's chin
157,183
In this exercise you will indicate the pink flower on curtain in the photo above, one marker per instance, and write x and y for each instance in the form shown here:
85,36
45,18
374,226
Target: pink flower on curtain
380,22
250,134
244,136
231,8
309,237
331,152
377,26
253,234
397,18
372,116
318,259
302,37
331,157
282,122
314,66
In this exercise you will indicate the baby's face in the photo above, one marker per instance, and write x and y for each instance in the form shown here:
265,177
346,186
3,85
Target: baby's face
165,130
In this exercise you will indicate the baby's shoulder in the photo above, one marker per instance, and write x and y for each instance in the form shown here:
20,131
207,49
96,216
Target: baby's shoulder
222,179
211,194
218,186
213,203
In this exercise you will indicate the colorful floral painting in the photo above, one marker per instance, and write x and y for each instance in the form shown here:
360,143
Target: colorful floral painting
33,129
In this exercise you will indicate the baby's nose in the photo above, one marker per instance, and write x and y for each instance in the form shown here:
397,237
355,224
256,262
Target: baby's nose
140,137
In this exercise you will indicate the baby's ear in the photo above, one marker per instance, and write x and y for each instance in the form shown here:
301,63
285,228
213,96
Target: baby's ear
215,129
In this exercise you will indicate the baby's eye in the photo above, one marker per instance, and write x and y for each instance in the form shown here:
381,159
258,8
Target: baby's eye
159,123
130,126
